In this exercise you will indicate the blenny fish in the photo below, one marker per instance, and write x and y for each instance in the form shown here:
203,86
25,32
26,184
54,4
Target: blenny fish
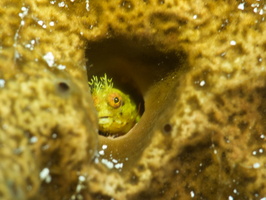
117,112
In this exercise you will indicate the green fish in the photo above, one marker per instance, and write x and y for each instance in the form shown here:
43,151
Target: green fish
117,112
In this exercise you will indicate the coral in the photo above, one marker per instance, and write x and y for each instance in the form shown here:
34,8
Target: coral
199,67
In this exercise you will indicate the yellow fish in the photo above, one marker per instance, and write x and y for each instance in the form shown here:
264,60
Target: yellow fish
116,111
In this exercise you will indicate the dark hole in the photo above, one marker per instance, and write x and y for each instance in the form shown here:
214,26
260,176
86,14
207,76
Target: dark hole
167,128
63,86
134,65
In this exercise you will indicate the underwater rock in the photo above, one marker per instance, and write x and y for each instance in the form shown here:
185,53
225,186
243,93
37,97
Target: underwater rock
197,69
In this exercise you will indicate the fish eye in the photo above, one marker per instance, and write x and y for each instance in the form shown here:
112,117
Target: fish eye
114,100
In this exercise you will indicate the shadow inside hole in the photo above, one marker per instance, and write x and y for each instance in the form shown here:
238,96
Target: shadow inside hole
63,86
149,76
167,128
133,64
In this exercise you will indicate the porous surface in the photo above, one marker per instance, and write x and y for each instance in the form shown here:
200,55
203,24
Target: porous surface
202,135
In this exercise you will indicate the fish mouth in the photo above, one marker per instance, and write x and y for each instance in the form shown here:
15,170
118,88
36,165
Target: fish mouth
104,120
103,117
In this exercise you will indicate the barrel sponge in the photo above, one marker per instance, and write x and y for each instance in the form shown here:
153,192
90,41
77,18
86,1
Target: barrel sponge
201,134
